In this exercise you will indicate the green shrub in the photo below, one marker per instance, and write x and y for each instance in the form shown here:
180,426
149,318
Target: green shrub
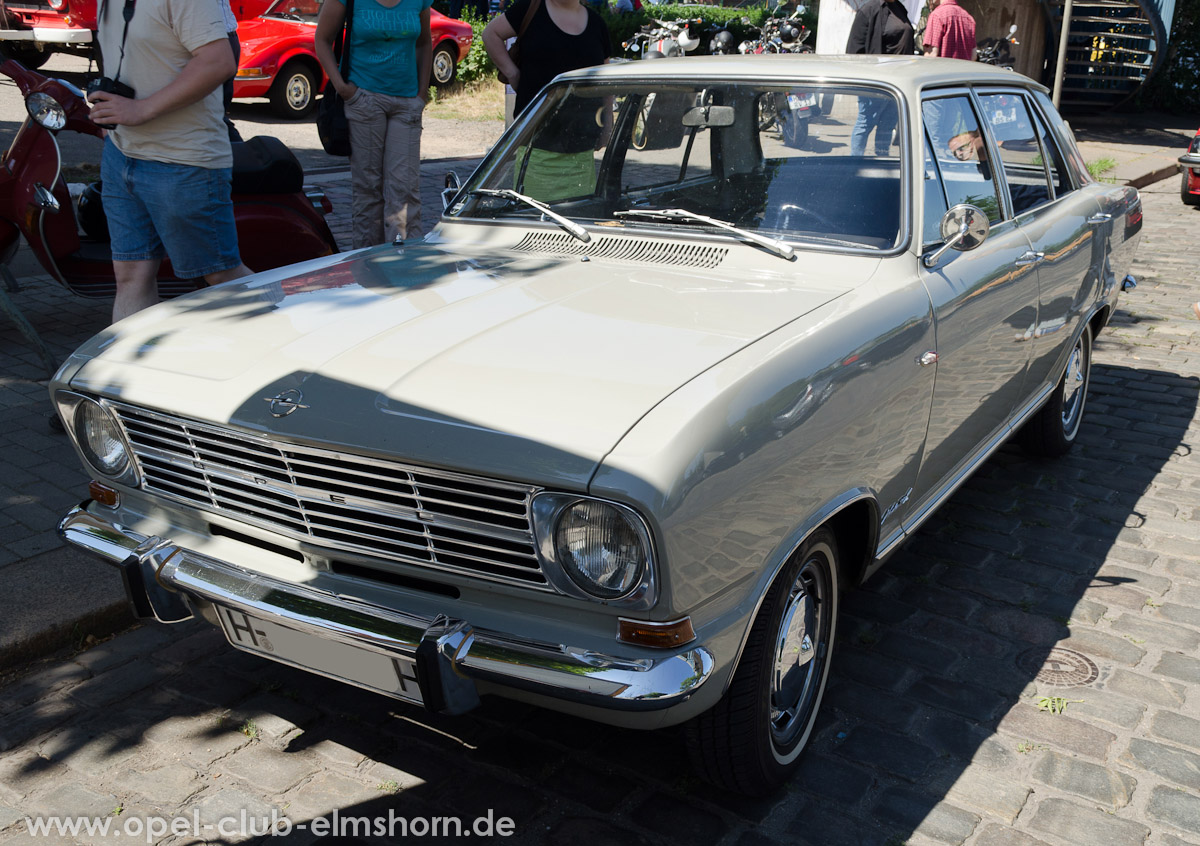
477,64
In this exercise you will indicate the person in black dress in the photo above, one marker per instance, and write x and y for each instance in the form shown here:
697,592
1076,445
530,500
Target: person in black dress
881,27
563,35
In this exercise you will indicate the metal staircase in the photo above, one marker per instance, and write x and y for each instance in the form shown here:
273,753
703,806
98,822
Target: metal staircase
1112,48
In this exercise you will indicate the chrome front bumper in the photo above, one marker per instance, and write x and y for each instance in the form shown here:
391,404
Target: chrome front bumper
48,35
450,655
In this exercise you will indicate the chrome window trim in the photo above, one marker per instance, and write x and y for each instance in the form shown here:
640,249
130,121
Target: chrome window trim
903,122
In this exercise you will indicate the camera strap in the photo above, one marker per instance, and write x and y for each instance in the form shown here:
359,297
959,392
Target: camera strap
127,14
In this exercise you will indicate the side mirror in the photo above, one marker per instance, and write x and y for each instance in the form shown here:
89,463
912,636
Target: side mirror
1012,29
451,189
964,227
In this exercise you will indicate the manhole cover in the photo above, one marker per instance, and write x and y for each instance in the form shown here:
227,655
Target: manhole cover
1060,668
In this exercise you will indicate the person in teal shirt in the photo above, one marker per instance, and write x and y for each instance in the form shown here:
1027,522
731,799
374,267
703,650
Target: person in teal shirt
391,59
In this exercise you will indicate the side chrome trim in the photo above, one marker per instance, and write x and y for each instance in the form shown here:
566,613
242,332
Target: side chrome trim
451,654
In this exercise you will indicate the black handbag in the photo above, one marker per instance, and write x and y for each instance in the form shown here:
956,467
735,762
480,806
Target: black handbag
332,126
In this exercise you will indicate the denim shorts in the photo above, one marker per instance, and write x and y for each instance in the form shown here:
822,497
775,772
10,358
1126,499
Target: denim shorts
156,209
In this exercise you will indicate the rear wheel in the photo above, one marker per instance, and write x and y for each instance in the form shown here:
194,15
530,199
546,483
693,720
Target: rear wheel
795,130
751,740
294,93
444,68
1052,431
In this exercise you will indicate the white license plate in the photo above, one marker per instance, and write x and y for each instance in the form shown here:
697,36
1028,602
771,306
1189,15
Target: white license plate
395,675
801,101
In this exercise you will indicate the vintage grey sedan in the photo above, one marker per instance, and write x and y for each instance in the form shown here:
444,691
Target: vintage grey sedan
618,433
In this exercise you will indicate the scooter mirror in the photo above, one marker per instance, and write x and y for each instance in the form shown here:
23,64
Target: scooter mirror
1012,29
450,191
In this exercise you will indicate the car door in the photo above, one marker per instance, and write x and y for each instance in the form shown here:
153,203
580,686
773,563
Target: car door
1060,222
985,301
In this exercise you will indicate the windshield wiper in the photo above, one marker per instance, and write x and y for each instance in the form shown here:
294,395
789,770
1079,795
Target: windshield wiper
565,222
772,245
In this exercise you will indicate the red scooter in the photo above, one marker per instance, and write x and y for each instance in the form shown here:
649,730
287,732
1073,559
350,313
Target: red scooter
278,221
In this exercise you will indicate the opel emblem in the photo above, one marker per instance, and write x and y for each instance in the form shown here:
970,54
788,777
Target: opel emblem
285,402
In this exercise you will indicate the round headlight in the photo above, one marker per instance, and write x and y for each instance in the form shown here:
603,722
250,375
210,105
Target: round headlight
600,548
45,110
57,5
100,439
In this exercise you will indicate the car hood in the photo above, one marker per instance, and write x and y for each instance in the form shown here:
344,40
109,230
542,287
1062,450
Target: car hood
526,366
270,30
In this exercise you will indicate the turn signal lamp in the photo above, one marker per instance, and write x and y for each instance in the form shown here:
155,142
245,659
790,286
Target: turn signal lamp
656,635
103,494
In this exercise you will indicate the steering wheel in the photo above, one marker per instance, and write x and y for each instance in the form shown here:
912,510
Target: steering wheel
790,214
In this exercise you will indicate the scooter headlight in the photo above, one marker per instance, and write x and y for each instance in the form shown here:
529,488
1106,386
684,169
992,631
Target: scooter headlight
46,111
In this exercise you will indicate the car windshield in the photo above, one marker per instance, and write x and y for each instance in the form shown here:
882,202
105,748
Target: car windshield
779,161
296,10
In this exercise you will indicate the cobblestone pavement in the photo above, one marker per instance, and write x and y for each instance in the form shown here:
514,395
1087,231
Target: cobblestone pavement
931,731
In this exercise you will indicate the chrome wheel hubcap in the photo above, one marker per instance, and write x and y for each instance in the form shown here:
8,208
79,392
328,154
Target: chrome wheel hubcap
800,651
443,67
1074,388
298,92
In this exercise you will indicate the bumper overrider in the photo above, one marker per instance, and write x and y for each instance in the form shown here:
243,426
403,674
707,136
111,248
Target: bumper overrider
1190,161
446,657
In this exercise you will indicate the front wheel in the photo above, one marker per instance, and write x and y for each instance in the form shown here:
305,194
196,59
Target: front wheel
1187,196
444,69
294,93
1052,431
31,57
639,139
750,741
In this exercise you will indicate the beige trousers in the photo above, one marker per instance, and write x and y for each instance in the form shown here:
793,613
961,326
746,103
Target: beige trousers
385,166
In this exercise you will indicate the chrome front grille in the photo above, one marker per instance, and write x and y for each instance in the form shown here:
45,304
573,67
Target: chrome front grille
341,501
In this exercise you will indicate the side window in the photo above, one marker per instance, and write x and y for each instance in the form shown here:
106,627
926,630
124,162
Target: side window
961,154
1074,159
1056,165
935,199
1017,144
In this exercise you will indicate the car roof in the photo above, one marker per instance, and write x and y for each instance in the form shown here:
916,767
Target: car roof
910,73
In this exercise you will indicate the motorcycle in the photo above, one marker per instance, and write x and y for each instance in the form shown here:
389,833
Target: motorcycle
790,112
660,40
996,51
279,220
664,39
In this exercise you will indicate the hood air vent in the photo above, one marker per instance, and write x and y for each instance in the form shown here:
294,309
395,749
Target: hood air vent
626,250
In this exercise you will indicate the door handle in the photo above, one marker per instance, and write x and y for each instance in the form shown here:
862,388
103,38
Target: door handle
1029,257
1097,219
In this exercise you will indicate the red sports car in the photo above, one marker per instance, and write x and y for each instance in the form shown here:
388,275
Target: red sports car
279,62
1189,186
